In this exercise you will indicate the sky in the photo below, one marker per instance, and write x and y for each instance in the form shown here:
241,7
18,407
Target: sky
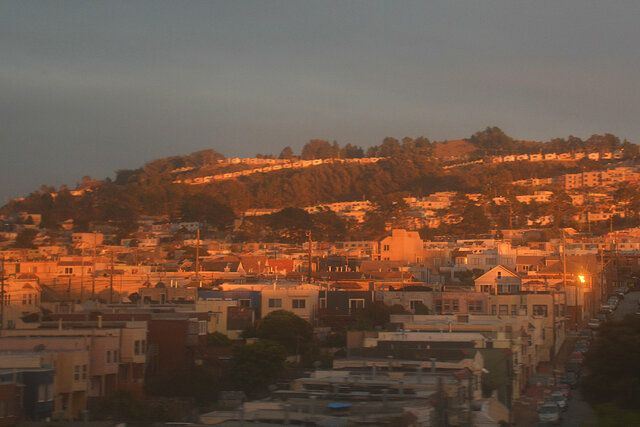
87,88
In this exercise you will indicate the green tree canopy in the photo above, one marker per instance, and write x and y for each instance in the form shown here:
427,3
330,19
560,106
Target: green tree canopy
257,365
285,328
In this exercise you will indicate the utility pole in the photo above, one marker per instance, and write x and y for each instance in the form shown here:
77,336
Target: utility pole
111,281
81,275
93,273
310,254
564,275
2,301
197,253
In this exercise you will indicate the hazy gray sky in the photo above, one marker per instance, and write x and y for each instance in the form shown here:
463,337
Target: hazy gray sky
90,87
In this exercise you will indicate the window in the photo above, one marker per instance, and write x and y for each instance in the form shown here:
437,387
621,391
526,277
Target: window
68,270
355,304
475,306
84,372
386,248
115,356
275,303
503,309
24,299
494,309
299,303
523,310
76,373
44,393
514,309
454,305
415,303
108,356
323,303
143,347
540,310
244,303
136,348
29,296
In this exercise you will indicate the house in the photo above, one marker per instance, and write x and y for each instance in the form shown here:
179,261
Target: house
301,300
402,245
499,280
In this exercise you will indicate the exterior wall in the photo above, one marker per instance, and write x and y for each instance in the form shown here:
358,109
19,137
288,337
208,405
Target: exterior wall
402,245
407,299
498,280
460,303
39,393
302,302
218,309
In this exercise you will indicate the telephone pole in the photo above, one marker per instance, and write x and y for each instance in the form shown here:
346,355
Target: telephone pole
310,254
2,301
111,281
197,253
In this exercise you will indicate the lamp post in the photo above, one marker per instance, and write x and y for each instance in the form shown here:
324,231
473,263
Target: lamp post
581,279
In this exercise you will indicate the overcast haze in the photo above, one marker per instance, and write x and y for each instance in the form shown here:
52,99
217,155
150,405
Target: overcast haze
90,87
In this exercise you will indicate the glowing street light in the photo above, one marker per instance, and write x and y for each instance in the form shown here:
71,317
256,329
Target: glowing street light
582,279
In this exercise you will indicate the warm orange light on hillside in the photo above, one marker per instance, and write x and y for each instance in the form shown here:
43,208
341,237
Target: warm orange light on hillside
582,280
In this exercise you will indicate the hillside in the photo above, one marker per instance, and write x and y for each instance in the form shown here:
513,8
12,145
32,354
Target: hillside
411,167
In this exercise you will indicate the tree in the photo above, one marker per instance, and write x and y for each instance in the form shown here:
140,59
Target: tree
613,373
285,328
286,153
25,239
317,149
492,140
205,208
257,365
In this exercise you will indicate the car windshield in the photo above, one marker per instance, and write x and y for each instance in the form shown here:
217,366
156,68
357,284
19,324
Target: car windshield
548,409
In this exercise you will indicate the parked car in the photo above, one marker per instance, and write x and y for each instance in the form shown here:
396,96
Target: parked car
573,366
577,356
550,413
585,334
560,399
570,378
582,348
594,323
565,389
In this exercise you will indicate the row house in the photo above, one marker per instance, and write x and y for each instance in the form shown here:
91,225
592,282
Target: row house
301,300
22,292
26,387
69,392
226,316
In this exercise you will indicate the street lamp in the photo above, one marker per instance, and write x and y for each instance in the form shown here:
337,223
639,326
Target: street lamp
582,280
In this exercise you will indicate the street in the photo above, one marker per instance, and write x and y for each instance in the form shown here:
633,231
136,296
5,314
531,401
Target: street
580,413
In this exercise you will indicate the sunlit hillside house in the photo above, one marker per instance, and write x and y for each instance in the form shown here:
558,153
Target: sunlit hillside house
499,280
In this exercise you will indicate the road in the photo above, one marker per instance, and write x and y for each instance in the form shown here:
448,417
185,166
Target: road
580,413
